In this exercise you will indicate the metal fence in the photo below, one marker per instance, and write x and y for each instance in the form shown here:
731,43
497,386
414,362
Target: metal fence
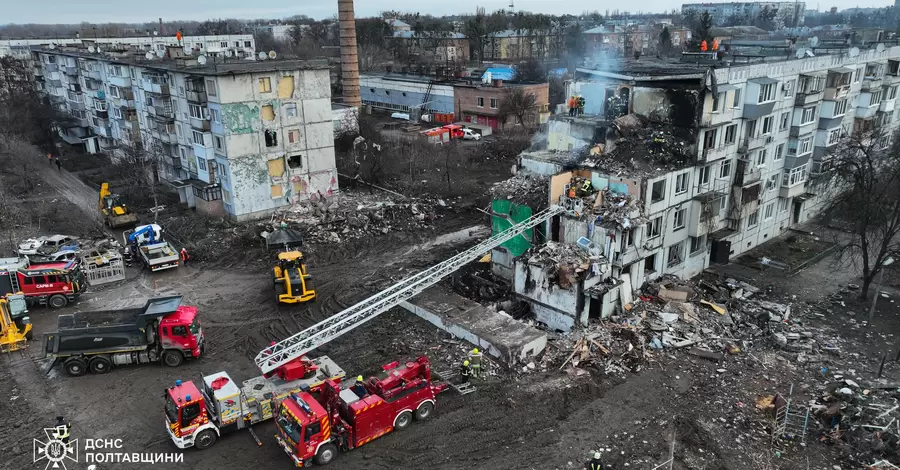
111,272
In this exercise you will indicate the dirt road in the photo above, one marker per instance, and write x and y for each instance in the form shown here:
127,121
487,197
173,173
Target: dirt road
524,421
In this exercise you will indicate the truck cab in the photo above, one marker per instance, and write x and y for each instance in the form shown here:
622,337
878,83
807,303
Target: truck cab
304,427
187,416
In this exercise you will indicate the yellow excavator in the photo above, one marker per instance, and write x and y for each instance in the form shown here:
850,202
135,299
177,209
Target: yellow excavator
115,213
11,337
289,274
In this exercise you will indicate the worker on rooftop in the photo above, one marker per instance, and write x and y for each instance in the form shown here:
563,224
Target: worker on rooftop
475,362
572,105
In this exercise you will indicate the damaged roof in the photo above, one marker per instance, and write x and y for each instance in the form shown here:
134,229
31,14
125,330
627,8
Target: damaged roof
645,68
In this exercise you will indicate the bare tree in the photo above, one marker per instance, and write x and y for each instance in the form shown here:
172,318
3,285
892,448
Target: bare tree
864,188
138,168
519,103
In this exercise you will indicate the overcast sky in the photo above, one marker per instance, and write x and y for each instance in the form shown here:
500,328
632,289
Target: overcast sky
102,11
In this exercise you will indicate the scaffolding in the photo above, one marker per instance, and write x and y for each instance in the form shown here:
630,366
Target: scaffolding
791,421
104,274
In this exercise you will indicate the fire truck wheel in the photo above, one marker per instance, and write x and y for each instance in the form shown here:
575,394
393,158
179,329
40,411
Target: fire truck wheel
100,365
326,454
58,301
205,439
172,358
424,410
402,421
75,367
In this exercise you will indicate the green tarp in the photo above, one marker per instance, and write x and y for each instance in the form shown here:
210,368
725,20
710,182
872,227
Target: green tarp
517,213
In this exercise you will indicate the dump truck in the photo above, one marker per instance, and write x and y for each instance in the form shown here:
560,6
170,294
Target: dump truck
12,336
163,330
312,427
147,244
115,213
196,418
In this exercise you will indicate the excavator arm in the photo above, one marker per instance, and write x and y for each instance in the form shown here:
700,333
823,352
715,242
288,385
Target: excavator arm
290,349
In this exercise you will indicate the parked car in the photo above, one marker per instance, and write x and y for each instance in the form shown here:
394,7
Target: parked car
66,254
55,243
469,134
402,116
31,245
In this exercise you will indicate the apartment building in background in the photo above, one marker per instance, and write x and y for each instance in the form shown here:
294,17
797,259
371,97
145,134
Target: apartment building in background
236,138
231,45
696,164
791,14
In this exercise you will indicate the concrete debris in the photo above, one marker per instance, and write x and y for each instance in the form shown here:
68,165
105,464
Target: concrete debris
529,190
342,218
569,263
637,146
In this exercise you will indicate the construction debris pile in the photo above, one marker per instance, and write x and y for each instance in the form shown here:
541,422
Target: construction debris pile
639,144
616,210
709,319
567,263
528,190
338,219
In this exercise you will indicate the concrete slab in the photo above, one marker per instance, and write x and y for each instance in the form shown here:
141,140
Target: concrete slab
500,336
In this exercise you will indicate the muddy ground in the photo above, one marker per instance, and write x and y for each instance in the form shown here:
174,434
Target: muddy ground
523,421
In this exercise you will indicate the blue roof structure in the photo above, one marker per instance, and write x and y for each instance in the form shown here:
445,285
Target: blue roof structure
500,73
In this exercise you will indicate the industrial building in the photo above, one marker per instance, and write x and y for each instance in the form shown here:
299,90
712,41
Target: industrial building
689,165
237,138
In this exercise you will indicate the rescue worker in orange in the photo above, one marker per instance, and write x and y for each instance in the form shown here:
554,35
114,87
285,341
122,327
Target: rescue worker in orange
573,105
185,257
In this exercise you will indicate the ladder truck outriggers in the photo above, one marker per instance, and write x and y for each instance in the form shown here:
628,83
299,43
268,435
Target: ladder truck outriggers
197,417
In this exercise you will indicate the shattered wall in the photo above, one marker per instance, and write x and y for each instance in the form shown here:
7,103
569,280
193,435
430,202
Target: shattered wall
560,308
675,106
278,130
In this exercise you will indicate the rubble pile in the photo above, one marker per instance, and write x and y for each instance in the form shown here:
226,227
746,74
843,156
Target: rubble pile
567,263
615,210
528,190
643,145
343,218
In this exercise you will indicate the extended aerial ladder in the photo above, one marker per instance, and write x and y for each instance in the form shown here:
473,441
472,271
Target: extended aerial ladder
293,348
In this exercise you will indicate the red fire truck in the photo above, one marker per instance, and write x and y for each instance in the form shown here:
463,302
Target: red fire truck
312,427
54,283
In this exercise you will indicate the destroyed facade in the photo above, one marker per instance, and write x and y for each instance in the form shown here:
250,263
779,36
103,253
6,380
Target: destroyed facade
674,166
237,138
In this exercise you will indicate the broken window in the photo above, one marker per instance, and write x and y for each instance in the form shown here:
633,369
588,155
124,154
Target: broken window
294,136
271,138
681,183
697,244
730,134
290,110
704,175
277,190
657,191
709,138
276,168
676,254
295,161
265,85
650,264
725,169
267,112
753,219
628,238
654,228
219,143
785,121
678,220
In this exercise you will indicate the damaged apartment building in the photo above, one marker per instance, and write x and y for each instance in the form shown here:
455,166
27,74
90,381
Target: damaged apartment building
688,164
236,138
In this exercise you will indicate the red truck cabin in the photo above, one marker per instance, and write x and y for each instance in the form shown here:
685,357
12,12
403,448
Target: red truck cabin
185,409
181,330
303,426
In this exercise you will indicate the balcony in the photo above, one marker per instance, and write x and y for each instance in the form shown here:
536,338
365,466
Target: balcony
803,129
806,98
791,191
750,143
705,214
50,67
836,93
71,71
94,74
866,112
81,122
708,155
200,124
176,162
165,135
887,106
38,71
76,105
196,96
102,129
717,118
161,112
101,113
54,83
155,87
746,174
121,82
872,83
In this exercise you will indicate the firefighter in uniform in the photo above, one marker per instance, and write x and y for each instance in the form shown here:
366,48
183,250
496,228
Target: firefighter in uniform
359,388
475,362
465,372
62,430
596,463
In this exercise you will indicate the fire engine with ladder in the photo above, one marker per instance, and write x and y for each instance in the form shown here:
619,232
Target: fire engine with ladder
316,415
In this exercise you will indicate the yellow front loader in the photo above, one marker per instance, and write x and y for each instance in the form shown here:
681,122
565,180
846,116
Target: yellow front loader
11,338
115,213
290,278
